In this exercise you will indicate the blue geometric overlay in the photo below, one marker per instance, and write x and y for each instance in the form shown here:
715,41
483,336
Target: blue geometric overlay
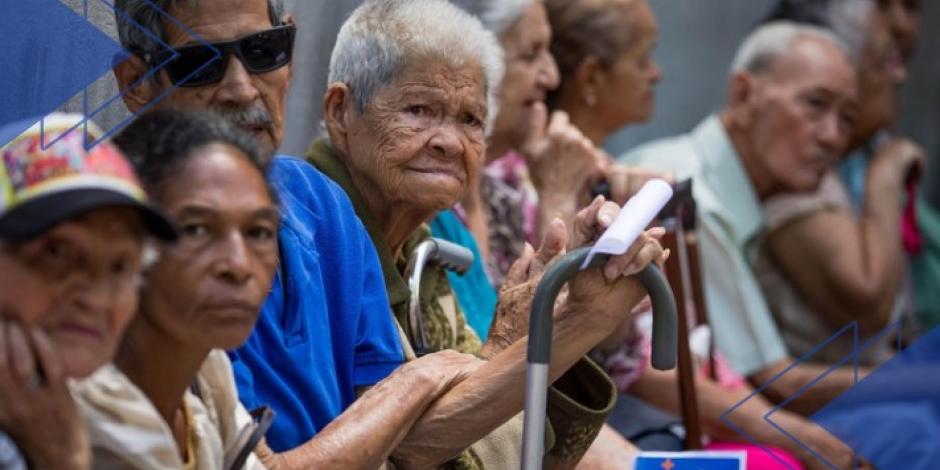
892,417
49,55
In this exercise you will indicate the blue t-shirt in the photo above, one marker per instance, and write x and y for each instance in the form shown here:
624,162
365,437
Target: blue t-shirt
475,294
326,328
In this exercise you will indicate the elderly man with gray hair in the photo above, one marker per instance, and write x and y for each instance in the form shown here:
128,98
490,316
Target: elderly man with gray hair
787,119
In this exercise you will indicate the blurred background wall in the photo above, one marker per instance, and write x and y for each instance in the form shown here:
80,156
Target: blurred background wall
697,41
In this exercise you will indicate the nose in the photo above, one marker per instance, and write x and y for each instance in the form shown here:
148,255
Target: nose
656,73
548,75
236,89
97,296
446,142
831,134
232,259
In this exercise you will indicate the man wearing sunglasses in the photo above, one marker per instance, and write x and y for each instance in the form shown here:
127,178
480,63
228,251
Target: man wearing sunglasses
326,349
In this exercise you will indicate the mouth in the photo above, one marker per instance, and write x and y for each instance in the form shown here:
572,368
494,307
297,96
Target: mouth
255,129
80,330
443,172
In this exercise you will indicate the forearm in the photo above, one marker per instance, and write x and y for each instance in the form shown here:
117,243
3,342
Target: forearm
815,396
881,244
367,432
487,398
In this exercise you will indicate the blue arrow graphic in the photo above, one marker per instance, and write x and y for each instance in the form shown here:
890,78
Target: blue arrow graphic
50,54
55,54
892,417
852,358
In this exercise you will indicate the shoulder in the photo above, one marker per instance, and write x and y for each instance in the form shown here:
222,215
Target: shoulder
674,154
301,185
123,425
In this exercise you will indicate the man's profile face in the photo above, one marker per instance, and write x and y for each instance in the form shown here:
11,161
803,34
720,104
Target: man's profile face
802,115
254,101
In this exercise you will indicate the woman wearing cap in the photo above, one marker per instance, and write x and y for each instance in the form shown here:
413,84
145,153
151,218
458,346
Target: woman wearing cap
73,227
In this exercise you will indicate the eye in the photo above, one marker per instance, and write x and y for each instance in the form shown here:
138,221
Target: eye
55,251
418,110
260,233
120,267
472,121
194,230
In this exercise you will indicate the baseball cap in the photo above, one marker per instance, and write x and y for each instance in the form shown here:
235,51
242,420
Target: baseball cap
42,187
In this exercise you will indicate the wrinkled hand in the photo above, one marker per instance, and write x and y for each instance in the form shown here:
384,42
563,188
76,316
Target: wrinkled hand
441,370
625,181
902,157
36,409
609,293
511,322
562,161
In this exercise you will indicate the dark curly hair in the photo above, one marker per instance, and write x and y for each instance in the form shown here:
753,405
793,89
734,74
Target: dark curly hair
158,142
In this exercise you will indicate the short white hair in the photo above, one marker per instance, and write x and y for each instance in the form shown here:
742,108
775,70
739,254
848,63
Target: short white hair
496,15
773,40
376,43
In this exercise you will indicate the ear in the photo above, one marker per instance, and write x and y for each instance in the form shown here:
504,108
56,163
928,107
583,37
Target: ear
741,88
588,80
338,107
136,95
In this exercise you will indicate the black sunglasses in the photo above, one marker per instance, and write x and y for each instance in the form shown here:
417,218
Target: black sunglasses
201,65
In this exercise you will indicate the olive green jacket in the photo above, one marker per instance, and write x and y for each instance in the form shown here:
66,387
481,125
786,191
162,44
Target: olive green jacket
578,403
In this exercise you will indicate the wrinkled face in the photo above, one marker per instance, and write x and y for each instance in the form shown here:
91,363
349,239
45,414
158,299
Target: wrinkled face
207,289
531,72
881,71
903,17
802,111
627,93
420,141
78,282
255,101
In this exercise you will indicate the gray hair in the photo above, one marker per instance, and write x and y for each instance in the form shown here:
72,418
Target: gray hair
496,15
849,21
375,44
132,15
772,40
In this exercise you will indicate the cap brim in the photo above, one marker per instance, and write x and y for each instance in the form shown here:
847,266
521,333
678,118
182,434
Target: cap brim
34,217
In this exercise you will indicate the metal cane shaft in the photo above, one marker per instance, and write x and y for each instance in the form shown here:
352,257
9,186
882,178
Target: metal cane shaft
540,341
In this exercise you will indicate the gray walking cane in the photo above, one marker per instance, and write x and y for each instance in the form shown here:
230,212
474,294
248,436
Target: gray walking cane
449,256
540,341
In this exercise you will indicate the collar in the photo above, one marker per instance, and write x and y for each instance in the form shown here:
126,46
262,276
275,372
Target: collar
736,201
328,160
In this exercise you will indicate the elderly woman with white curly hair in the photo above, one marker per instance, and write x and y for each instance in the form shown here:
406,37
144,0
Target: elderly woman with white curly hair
412,92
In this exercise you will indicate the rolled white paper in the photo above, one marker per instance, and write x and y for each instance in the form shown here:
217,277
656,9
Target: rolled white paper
636,214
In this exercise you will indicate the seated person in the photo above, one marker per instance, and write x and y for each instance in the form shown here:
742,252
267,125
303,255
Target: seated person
74,224
171,401
825,264
408,145
539,166
325,334
607,80
791,92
